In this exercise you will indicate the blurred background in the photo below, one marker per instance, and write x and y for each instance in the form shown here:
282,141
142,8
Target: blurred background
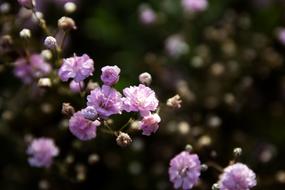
225,61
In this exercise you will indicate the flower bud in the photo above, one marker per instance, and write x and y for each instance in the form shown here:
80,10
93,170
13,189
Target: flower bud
70,7
50,42
25,33
188,148
29,4
6,41
46,53
215,186
90,113
145,78
67,109
44,82
66,23
174,102
237,152
123,139
5,8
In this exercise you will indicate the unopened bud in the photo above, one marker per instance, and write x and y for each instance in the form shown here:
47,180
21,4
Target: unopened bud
29,4
204,167
47,55
67,109
123,139
174,102
6,41
5,8
25,33
44,82
215,186
90,113
50,42
188,148
66,23
237,152
70,7
93,158
145,78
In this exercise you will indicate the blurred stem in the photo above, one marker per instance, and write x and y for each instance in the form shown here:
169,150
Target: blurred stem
126,124
42,22
215,166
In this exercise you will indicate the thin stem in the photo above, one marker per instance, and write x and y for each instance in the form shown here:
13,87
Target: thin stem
215,166
126,124
41,22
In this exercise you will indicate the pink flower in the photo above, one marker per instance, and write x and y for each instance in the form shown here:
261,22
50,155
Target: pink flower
139,99
77,68
184,170
149,124
106,100
84,129
110,75
194,5
237,177
31,68
281,36
146,14
42,151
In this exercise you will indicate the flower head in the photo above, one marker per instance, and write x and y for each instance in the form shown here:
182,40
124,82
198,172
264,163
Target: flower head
184,170
194,5
139,99
146,14
237,177
42,151
84,129
77,68
110,75
106,100
32,68
149,124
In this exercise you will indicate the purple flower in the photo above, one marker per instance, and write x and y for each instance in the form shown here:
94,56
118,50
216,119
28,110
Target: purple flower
42,151
31,68
76,87
110,75
281,36
237,177
77,68
139,99
149,124
84,129
146,15
175,46
194,5
106,100
184,170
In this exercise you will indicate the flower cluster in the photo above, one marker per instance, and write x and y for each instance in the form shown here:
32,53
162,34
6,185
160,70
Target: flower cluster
105,101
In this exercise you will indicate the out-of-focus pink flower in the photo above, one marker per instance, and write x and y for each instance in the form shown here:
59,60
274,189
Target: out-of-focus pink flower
147,15
194,5
176,46
34,67
42,151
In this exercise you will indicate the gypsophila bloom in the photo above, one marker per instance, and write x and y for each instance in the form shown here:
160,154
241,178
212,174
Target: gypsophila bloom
176,46
25,33
110,75
281,36
106,100
123,139
32,68
194,5
42,151
139,99
237,177
149,124
145,78
90,113
76,87
26,3
146,15
77,68
184,170
84,129
174,102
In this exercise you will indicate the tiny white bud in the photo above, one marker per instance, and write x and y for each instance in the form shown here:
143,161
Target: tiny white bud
237,152
66,23
70,7
25,33
188,148
215,186
145,78
174,102
44,82
46,53
38,15
123,139
50,42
